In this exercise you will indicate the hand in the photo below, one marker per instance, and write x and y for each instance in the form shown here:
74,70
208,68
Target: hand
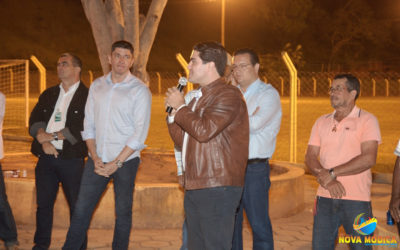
173,112
99,166
336,189
324,178
43,137
49,149
111,167
394,207
174,98
60,135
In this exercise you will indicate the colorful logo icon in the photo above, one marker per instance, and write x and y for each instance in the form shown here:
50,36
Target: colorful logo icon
364,227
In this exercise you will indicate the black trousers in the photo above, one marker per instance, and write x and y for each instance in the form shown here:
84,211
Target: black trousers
8,230
49,173
210,215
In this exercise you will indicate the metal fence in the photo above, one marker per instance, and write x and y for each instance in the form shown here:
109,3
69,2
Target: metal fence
310,84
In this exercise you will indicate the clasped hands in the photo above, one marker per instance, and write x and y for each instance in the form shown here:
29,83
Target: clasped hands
174,98
335,188
45,138
104,169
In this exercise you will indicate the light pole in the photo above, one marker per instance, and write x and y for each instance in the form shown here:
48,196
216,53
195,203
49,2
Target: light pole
223,22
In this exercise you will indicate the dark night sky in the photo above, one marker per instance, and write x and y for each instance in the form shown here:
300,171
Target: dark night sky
46,28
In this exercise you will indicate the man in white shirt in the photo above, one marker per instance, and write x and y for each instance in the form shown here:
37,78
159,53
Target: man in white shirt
117,118
264,109
55,124
8,230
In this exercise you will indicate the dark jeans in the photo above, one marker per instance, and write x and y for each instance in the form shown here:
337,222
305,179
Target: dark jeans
330,214
255,203
8,230
184,236
92,187
210,215
49,172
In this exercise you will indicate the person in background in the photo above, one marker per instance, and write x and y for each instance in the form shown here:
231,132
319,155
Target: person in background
55,124
265,113
117,119
8,230
341,152
394,204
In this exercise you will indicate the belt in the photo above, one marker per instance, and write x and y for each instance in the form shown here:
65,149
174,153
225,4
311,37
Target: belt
257,160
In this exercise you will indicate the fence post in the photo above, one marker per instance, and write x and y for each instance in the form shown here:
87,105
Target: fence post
184,65
90,77
27,93
373,87
282,85
314,86
387,87
42,71
293,105
398,80
330,82
159,82
298,86
11,80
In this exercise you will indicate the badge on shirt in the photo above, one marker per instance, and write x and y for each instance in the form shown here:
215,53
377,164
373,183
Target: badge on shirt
57,116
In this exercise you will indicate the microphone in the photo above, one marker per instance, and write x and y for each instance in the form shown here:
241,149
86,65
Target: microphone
181,84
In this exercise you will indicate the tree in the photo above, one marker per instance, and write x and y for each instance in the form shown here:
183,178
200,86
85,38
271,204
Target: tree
113,20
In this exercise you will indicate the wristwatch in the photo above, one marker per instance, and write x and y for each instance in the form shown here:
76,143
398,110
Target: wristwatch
55,136
332,174
119,163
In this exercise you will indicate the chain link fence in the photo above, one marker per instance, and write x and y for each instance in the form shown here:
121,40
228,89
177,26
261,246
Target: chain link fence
380,94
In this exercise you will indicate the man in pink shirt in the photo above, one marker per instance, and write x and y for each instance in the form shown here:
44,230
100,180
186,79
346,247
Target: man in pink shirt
341,151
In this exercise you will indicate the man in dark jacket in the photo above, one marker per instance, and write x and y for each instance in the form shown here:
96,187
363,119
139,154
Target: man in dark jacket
213,133
55,124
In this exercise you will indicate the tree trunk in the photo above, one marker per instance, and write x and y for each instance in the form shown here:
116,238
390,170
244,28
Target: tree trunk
95,13
113,20
147,36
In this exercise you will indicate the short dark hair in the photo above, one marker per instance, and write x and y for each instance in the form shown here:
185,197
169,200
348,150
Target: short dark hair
76,61
254,59
212,52
352,83
122,44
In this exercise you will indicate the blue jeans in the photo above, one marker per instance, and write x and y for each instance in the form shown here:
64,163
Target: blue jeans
49,173
8,230
210,215
92,187
255,203
184,236
330,214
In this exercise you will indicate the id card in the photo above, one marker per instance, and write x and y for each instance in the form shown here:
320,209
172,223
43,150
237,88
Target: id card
57,116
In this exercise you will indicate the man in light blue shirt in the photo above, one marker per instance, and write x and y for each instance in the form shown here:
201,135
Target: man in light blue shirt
117,118
264,109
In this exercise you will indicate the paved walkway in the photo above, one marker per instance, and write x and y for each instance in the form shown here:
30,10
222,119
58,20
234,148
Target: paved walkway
294,232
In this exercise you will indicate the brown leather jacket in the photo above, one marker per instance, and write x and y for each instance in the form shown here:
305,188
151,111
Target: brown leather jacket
218,142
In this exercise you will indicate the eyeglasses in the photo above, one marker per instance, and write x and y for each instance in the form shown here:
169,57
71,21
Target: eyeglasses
337,89
240,66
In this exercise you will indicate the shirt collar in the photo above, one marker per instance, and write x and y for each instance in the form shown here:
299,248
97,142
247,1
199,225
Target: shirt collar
355,112
126,80
71,89
251,88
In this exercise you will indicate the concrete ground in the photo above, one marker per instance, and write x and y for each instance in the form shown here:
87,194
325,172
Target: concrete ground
294,232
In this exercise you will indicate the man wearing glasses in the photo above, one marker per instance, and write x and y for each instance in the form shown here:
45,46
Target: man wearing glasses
341,151
264,110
